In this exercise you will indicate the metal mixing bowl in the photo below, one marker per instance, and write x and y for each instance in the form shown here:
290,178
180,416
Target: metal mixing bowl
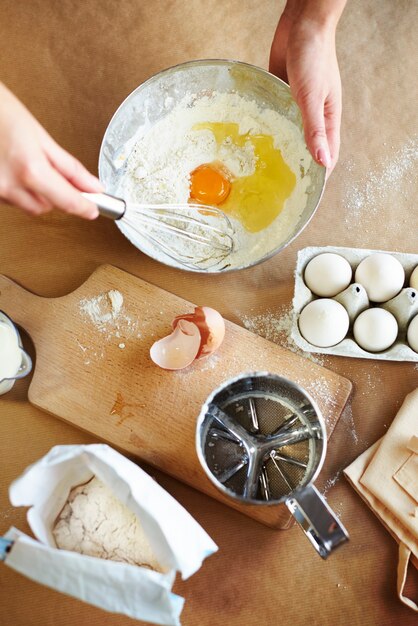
158,96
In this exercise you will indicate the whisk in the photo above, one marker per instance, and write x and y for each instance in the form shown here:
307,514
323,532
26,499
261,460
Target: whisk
197,236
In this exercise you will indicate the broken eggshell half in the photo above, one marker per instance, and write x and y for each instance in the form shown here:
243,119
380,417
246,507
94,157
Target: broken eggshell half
211,326
195,335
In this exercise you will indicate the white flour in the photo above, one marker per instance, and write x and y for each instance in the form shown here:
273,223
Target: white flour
158,169
103,308
277,326
394,177
107,314
96,523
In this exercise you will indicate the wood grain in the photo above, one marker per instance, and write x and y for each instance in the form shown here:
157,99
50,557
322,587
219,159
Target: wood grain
99,377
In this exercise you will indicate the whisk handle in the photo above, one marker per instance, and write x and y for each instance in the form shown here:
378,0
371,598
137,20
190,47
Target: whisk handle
109,206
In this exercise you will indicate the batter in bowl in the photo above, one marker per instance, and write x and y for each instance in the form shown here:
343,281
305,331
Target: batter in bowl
227,151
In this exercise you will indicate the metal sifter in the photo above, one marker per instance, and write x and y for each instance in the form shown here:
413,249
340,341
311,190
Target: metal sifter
262,440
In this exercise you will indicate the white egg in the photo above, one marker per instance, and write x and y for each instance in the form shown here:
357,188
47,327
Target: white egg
412,334
324,322
375,330
413,281
327,274
381,275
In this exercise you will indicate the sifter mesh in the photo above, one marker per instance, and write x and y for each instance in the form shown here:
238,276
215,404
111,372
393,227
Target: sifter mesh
261,421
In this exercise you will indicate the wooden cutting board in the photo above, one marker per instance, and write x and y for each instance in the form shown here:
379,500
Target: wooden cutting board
96,373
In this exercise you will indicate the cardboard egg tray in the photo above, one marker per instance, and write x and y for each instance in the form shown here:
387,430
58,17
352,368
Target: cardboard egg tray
399,351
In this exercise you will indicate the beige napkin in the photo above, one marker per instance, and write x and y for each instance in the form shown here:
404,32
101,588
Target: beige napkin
386,476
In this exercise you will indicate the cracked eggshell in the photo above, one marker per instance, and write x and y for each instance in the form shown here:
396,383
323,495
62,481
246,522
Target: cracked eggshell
211,326
179,349
381,275
328,274
324,322
375,330
412,334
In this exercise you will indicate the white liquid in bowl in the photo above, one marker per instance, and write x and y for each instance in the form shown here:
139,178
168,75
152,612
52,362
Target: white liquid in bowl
10,352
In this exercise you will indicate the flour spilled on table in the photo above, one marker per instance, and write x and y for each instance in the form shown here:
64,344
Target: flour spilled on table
319,389
276,327
103,309
364,198
331,482
346,422
107,314
347,419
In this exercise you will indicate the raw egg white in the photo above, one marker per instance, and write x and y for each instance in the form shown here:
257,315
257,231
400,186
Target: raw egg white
324,323
375,330
328,274
412,334
381,275
255,200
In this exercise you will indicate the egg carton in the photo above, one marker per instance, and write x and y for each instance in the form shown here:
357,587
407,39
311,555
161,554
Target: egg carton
399,351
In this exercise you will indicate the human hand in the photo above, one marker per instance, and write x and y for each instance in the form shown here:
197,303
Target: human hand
303,54
36,174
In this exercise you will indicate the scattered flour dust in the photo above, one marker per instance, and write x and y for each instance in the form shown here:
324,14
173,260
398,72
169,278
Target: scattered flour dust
205,364
159,166
103,309
364,199
346,422
107,314
347,419
276,327
331,482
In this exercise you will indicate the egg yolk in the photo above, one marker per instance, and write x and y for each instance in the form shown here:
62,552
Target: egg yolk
257,199
209,185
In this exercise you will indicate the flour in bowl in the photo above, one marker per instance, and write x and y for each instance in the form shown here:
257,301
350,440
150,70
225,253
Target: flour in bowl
194,133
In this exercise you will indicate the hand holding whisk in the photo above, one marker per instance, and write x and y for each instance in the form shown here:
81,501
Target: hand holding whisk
197,236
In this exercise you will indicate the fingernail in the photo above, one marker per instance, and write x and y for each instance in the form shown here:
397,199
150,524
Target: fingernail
323,157
92,215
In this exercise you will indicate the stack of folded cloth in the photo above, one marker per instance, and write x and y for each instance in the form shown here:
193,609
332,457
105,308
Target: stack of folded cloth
386,476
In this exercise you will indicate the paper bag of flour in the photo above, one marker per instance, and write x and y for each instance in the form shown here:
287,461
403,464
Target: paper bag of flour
122,537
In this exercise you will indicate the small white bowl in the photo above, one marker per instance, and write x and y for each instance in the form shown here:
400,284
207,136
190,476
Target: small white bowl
26,363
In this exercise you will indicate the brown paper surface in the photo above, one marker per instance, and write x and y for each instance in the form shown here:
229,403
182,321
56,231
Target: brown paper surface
354,473
72,63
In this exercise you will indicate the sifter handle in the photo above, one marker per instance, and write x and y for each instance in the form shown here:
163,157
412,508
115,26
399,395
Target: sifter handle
109,206
317,520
